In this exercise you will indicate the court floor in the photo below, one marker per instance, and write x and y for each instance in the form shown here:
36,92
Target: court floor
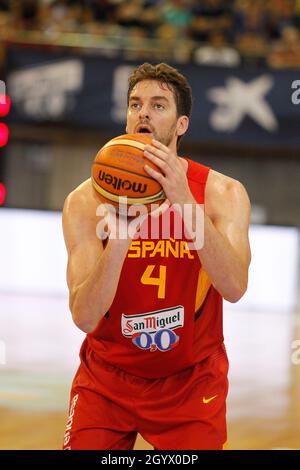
39,355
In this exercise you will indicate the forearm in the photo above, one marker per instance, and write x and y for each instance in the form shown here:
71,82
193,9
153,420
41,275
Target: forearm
222,263
94,296
227,272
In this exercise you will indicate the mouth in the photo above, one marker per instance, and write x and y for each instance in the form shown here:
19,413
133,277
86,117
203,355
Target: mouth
144,129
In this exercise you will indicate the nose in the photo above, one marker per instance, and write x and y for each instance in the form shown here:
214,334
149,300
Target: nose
144,112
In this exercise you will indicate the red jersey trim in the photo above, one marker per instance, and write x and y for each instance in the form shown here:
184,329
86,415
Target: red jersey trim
197,172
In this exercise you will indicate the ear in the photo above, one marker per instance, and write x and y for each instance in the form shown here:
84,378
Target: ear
182,125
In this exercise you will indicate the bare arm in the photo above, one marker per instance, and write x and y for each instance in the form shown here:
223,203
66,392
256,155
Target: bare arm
226,252
93,272
225,255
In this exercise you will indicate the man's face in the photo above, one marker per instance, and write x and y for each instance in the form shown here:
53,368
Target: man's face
152,109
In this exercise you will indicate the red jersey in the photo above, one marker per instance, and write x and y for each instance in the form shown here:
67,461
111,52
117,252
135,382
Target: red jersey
166,315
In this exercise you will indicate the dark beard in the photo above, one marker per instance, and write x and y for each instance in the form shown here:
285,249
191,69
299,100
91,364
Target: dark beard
168,138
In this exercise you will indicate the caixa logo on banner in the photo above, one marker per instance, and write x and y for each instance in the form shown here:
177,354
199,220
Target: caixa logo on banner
239,99
46,91
296,94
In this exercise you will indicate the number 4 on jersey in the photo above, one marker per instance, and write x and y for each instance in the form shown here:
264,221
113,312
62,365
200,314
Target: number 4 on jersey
159,281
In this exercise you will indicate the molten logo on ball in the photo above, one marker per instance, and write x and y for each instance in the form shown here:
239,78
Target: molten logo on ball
119,183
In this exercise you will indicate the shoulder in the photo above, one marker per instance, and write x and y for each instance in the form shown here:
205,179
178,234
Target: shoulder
80,207
81,198
219,184
224,191
80,215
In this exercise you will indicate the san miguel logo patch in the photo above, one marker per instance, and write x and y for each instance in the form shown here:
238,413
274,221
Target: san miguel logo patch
154,330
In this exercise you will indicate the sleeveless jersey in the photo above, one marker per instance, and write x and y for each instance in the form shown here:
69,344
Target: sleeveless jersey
166,315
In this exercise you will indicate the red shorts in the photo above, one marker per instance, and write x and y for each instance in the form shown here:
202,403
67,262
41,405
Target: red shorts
184,411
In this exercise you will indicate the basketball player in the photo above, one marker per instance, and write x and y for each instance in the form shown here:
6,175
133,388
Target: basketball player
153,360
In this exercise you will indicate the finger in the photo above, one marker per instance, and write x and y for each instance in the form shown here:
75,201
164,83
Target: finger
159,162
158,153
136,224
159,145
103,230
155,174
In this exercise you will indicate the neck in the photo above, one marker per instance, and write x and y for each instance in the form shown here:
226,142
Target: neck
183,161
184,164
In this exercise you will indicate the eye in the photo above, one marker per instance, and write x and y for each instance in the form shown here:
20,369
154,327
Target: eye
158,106
134,105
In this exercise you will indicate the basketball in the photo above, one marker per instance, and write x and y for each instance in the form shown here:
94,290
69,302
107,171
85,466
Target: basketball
118,172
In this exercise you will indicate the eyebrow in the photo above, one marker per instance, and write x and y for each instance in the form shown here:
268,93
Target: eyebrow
137,98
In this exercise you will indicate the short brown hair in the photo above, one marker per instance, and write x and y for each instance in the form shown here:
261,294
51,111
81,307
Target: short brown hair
175,81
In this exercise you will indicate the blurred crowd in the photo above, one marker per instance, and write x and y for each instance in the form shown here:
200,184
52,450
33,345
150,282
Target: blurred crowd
212,32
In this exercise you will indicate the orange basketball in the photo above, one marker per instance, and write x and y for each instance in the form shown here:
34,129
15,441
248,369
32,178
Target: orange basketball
118,171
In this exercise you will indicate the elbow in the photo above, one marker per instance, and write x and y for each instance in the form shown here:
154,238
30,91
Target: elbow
83,317
79,316
82,325
236,292
80,320
234,297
